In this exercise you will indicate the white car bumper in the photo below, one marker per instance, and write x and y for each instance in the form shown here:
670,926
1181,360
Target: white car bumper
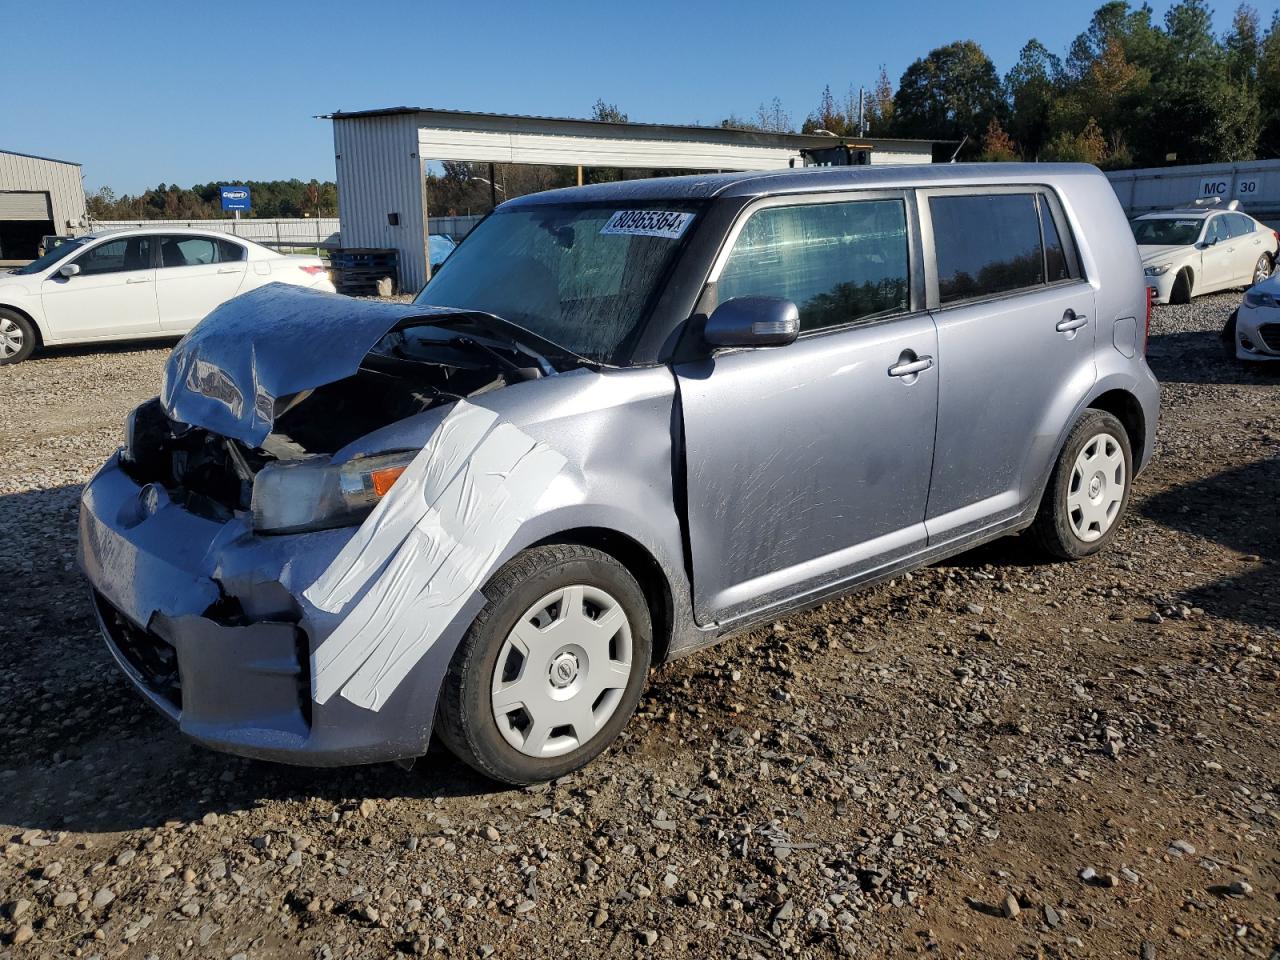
1257,333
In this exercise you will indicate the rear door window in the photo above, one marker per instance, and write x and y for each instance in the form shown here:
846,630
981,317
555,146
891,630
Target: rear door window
183,251
1239,225
987,245
838,262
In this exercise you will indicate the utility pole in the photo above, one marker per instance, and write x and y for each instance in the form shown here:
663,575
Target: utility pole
862,113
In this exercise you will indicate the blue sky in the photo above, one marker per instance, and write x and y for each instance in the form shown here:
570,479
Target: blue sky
143,92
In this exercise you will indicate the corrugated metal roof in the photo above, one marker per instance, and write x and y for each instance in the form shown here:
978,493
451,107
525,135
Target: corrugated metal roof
800,139
32,156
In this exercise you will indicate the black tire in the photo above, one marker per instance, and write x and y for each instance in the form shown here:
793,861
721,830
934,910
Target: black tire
1265,265
1229,335
1181,292
25,329
465,717
1051,532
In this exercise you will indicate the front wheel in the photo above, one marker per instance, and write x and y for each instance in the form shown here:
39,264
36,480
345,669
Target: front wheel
1181,292
552,668
17,337
1088,490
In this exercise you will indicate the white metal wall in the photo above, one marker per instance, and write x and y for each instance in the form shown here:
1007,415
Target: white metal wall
380,173
59,179
1255,183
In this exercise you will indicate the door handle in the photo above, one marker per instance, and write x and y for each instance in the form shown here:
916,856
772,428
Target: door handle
908,368
229,270
1071,321
138,280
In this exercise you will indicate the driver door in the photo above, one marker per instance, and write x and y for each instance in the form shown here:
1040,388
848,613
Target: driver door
808,465
113,295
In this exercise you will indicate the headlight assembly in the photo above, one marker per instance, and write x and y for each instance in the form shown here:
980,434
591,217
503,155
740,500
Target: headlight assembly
296,496
1259,298
1159,270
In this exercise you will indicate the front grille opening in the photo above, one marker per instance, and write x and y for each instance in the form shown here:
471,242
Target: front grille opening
155,660
1270,334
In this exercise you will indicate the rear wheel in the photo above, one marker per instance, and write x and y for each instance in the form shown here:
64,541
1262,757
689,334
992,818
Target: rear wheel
1181,292
1262,269
552,668
17,337
1088,490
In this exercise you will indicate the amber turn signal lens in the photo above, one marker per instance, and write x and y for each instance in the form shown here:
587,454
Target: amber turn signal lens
383,479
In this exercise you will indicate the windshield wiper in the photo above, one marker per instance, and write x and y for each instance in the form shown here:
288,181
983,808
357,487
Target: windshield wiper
536,344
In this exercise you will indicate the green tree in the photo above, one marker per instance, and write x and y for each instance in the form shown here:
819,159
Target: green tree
1032,86
952,92
607,112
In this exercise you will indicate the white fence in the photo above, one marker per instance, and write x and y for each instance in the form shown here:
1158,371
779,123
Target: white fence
303,231
1255,183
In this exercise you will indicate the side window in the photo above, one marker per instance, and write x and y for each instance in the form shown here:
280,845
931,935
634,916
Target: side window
986,245
838,262
1217,231
1239,224
116,256
1055,257
230,252
187,251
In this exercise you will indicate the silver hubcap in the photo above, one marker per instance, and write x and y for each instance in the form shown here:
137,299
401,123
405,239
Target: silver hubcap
1097,487
11,338
562,671
1262,270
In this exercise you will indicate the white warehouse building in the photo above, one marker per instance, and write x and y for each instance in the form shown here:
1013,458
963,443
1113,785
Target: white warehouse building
381,158
38,197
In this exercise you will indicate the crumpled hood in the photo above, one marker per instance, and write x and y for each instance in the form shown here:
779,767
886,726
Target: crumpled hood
230,373
1162,252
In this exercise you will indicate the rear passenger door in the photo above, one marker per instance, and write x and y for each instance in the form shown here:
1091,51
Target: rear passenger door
1015,349
808,464
1248,245
196,274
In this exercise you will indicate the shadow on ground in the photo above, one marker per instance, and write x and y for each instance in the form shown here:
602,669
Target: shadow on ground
1238,509
1201,357
81,751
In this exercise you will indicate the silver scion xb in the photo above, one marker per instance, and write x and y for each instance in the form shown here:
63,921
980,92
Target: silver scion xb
621,422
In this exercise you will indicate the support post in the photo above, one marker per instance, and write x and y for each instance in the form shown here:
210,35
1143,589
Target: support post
579,174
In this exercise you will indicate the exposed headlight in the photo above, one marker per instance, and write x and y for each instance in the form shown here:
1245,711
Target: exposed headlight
1158,270
293,496
1256,298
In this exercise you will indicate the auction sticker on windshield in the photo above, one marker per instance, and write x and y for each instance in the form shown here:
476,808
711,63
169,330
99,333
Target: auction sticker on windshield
648,223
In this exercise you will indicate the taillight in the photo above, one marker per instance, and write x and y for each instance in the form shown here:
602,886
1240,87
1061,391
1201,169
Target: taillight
315,271
1146,332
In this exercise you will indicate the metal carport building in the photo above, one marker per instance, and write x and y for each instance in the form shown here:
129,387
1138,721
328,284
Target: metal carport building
381,158
38,196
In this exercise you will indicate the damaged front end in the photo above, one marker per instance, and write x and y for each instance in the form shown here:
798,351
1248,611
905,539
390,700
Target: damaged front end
233,493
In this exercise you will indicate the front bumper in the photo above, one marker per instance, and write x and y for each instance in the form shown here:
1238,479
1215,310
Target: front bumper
1161,287
1257,333
208,622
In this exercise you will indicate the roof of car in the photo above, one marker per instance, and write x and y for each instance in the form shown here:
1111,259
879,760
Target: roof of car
1181,214
806,179
160,228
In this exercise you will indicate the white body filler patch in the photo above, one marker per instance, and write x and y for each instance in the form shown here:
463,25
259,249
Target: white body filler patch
431,542
648,223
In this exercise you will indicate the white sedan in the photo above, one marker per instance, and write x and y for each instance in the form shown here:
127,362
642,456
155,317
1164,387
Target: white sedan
135,284
1198,250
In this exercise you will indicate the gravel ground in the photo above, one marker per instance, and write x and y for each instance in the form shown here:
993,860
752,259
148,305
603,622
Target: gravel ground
987,758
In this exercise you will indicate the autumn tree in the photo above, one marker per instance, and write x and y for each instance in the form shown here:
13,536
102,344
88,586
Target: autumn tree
952,92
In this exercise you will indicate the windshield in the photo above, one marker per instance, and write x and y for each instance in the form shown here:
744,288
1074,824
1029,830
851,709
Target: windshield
1166,231
583,276
53,256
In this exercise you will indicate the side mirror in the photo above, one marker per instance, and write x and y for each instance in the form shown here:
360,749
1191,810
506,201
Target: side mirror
753,322
69,271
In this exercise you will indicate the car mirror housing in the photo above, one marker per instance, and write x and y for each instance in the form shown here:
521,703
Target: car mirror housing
753,322
69,271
